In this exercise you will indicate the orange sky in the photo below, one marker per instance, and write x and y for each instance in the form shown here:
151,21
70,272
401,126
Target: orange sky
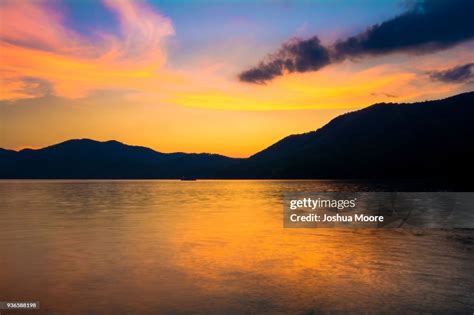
57,84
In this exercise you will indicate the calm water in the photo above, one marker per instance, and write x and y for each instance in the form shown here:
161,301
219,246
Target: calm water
171,247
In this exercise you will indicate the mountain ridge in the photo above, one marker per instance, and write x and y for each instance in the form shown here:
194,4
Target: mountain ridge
87,158
383,140
380,128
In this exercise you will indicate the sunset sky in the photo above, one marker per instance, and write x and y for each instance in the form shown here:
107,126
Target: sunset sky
228,77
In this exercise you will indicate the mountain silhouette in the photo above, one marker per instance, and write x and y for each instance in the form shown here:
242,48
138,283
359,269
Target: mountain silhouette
425,140
85,158
432,139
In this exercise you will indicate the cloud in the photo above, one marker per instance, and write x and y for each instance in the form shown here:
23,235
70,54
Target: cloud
34,25
36,42
458,74
36,87
143,31
24,88
295,56
389,95
427,26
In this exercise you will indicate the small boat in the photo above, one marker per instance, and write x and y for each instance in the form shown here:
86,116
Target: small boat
188,178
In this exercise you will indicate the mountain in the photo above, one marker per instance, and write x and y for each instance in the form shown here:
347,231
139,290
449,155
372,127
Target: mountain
432,139
425,140
85,158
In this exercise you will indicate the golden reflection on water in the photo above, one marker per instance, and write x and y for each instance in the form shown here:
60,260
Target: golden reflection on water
214,247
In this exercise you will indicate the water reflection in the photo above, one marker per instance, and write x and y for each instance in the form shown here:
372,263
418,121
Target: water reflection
214,247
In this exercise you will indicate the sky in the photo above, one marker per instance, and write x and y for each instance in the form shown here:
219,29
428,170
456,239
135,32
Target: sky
228,77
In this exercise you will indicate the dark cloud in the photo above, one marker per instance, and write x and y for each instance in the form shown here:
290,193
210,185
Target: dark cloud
36,87
425,27
384,94
458,74
294,56
429,25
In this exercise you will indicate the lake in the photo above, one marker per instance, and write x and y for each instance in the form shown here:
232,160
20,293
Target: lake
215,247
